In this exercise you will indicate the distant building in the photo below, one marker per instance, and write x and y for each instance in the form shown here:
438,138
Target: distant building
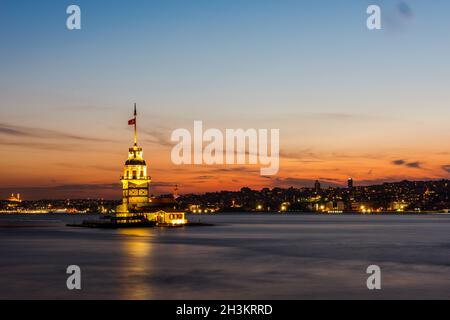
14,198
333,206
317,186
175,192
350,183
362,207
398,206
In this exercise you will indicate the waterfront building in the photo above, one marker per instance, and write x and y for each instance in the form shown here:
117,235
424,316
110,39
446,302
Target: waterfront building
135,180
137,206
333,207
398,206
138,209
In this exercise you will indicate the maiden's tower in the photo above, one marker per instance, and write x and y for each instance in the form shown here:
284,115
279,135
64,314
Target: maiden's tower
138,209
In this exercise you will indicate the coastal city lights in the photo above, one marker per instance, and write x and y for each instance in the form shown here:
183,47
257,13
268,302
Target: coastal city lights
400,197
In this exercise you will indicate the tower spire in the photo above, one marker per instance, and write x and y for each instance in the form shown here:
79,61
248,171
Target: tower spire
135,128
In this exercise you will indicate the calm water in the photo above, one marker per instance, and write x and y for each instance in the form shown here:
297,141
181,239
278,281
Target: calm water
243,257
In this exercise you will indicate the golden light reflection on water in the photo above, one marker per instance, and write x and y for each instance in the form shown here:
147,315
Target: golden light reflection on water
138,242
136,247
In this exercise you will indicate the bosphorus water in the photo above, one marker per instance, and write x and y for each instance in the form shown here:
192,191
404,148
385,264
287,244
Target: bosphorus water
244,256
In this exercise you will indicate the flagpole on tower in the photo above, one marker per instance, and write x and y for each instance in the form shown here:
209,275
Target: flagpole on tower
135,129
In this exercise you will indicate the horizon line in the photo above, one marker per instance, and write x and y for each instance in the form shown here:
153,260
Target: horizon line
219,191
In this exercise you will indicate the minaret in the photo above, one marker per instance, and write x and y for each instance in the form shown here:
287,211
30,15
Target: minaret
135,180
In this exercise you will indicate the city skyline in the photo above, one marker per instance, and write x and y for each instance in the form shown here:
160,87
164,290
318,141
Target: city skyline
417,197
348,102
173,190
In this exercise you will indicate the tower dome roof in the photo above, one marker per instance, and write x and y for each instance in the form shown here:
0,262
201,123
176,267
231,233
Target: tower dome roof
135,162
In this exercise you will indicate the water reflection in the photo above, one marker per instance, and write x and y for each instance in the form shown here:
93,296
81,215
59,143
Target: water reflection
136,265
241,257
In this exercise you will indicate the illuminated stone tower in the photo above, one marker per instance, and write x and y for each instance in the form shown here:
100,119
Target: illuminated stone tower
135,179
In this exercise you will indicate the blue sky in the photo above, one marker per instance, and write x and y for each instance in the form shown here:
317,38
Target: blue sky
217,50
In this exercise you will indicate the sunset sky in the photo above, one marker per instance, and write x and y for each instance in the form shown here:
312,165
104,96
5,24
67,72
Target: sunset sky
349,102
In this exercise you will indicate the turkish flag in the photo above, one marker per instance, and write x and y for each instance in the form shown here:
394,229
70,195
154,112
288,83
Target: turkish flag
132,122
